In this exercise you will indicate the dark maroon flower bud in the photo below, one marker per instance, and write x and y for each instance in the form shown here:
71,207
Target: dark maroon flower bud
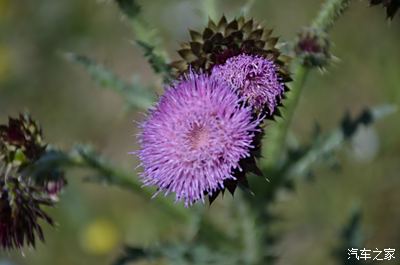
21,141
20,211
21,145
313,48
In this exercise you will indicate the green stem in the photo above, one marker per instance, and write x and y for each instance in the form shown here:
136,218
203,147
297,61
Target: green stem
329,14
151,43
301,76
86,158
277,149
323,146
114,176
248,225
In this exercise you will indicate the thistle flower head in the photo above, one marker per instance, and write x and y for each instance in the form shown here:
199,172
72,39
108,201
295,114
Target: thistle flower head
313,47
20,211
255,79
195,137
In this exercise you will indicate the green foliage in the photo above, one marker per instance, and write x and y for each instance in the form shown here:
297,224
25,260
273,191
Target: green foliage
254,238
252,241
300,161
103,171
330,12
129,7
132,254
178,254
156,61
147,38
135,94
322,146
299,164
83,156
350,237
253,218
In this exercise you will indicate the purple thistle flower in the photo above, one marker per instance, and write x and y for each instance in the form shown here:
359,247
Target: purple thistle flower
255,79
194,138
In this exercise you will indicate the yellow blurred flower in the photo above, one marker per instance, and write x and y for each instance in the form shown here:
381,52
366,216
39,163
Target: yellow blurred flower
100,237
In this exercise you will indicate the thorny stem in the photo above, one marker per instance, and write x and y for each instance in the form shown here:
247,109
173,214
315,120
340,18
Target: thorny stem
277,150
249,237
330,12
149,36
121,178
328,15
329,143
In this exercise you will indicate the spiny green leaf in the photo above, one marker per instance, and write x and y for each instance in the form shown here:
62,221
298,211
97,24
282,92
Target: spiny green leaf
135,94
48,167
157,62
350,237
146,37
324,145
330,12
301,159
105,172
178,254
131,254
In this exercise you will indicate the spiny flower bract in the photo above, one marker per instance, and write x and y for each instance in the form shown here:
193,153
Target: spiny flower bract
21,212
195,137
255,79
225,39
21,141
22,145
24,192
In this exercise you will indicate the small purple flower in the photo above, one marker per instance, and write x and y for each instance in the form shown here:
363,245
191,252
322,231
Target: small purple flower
194,138
255,79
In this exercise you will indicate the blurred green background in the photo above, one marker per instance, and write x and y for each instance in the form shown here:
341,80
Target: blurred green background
95,221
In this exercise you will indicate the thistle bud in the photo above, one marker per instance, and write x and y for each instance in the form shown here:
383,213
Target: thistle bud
22,194
313,48
21,210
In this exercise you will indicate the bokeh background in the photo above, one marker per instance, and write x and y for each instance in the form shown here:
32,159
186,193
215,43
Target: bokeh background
94,222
